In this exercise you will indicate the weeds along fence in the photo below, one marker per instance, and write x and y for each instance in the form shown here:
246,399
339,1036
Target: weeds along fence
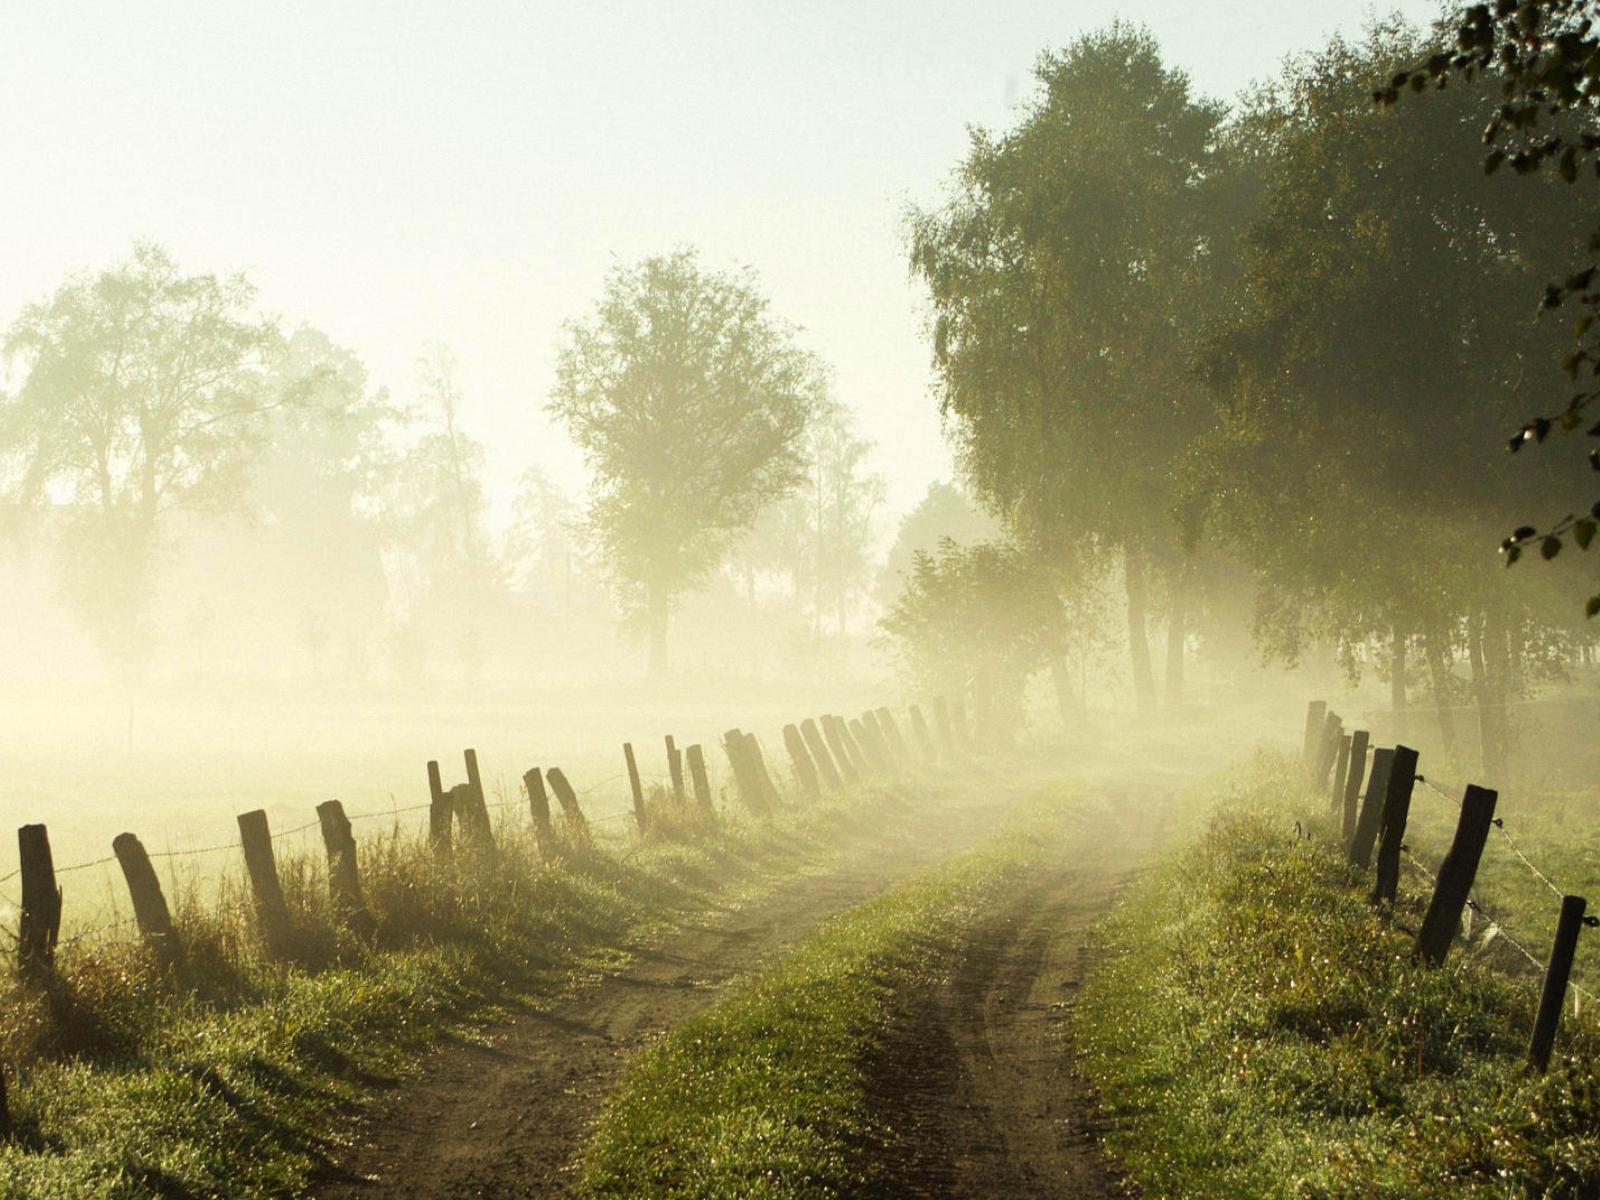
827,754
1372,828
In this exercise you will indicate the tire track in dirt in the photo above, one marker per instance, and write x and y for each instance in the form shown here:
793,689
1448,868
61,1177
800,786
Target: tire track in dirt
504,1119
974,1084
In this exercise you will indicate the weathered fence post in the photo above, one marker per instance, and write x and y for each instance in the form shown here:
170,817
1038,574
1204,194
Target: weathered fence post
870,753
149,905
1396,808
697,774
539,809
675,768
569,801
919,730
633,782
344,875
1366,830
1327,748
880,747
841,753
1315,711
805,770
39,926
891,730
440,816
820,755
266,893
1556,974
758,762
1339,769
1456,873
737,747
1352,782
475,817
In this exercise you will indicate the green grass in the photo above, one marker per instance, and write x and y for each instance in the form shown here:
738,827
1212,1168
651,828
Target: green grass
1256,1029
236,1077
764,1094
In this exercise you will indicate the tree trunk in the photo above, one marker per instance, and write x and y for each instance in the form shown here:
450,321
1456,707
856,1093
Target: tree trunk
1397,681
1177,628
658,617
1144,680
1434,645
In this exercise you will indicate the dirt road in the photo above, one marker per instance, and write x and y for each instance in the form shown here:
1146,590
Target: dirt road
505,1118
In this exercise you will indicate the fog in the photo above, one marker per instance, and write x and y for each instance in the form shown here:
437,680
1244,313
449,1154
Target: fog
330,447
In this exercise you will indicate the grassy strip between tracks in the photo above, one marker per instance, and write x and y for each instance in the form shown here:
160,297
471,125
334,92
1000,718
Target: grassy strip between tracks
763,1095
1256,1029
235,1077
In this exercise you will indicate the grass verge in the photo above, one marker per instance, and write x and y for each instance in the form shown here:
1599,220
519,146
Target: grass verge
764,1094
236,1076
1256,1029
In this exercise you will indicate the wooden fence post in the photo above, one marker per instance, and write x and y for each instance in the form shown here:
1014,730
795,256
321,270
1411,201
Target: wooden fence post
675,769
1396,808
1315,712
820,755
891,729
475,820
1556,974
1339,768
853,746
633,781
869,749
880,743
344,875
1456,873
805,770
758,762
697,774
919,730
569,801
149,905
539,809
39,925
737,748
1366,830
841,753
440,816
266,893
1327,748
1352,782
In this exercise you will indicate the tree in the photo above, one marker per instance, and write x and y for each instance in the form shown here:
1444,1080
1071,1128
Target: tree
1064,276
944,512
978,619
542,542
1545,56
143,392
1372,336
689,402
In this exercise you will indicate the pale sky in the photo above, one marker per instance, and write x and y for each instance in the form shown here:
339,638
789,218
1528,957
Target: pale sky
466,171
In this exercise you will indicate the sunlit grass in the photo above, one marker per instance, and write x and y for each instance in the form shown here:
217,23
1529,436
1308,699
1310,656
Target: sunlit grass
1256,1029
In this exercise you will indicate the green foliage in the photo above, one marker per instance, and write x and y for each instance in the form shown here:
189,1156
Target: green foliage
1257,1030
979,614
689,401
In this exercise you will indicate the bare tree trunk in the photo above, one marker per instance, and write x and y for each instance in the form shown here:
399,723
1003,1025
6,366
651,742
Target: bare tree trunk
1144,680
1177,628
658,617
1486,695
1397,680
1434,646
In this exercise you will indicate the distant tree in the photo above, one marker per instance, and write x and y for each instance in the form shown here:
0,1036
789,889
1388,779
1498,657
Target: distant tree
944,512
1543,57
689,402
841,496
543,548
1066,276
435,509
144,391
975,620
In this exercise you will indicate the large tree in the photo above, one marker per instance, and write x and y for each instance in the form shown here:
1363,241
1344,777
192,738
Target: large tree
144,391
1064,275
689,401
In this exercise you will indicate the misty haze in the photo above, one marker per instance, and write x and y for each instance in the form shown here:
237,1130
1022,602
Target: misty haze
878,600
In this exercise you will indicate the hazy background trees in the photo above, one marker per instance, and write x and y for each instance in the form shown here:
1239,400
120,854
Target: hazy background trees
689,401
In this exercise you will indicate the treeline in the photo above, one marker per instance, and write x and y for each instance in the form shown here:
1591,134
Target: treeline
195,471
1276,347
